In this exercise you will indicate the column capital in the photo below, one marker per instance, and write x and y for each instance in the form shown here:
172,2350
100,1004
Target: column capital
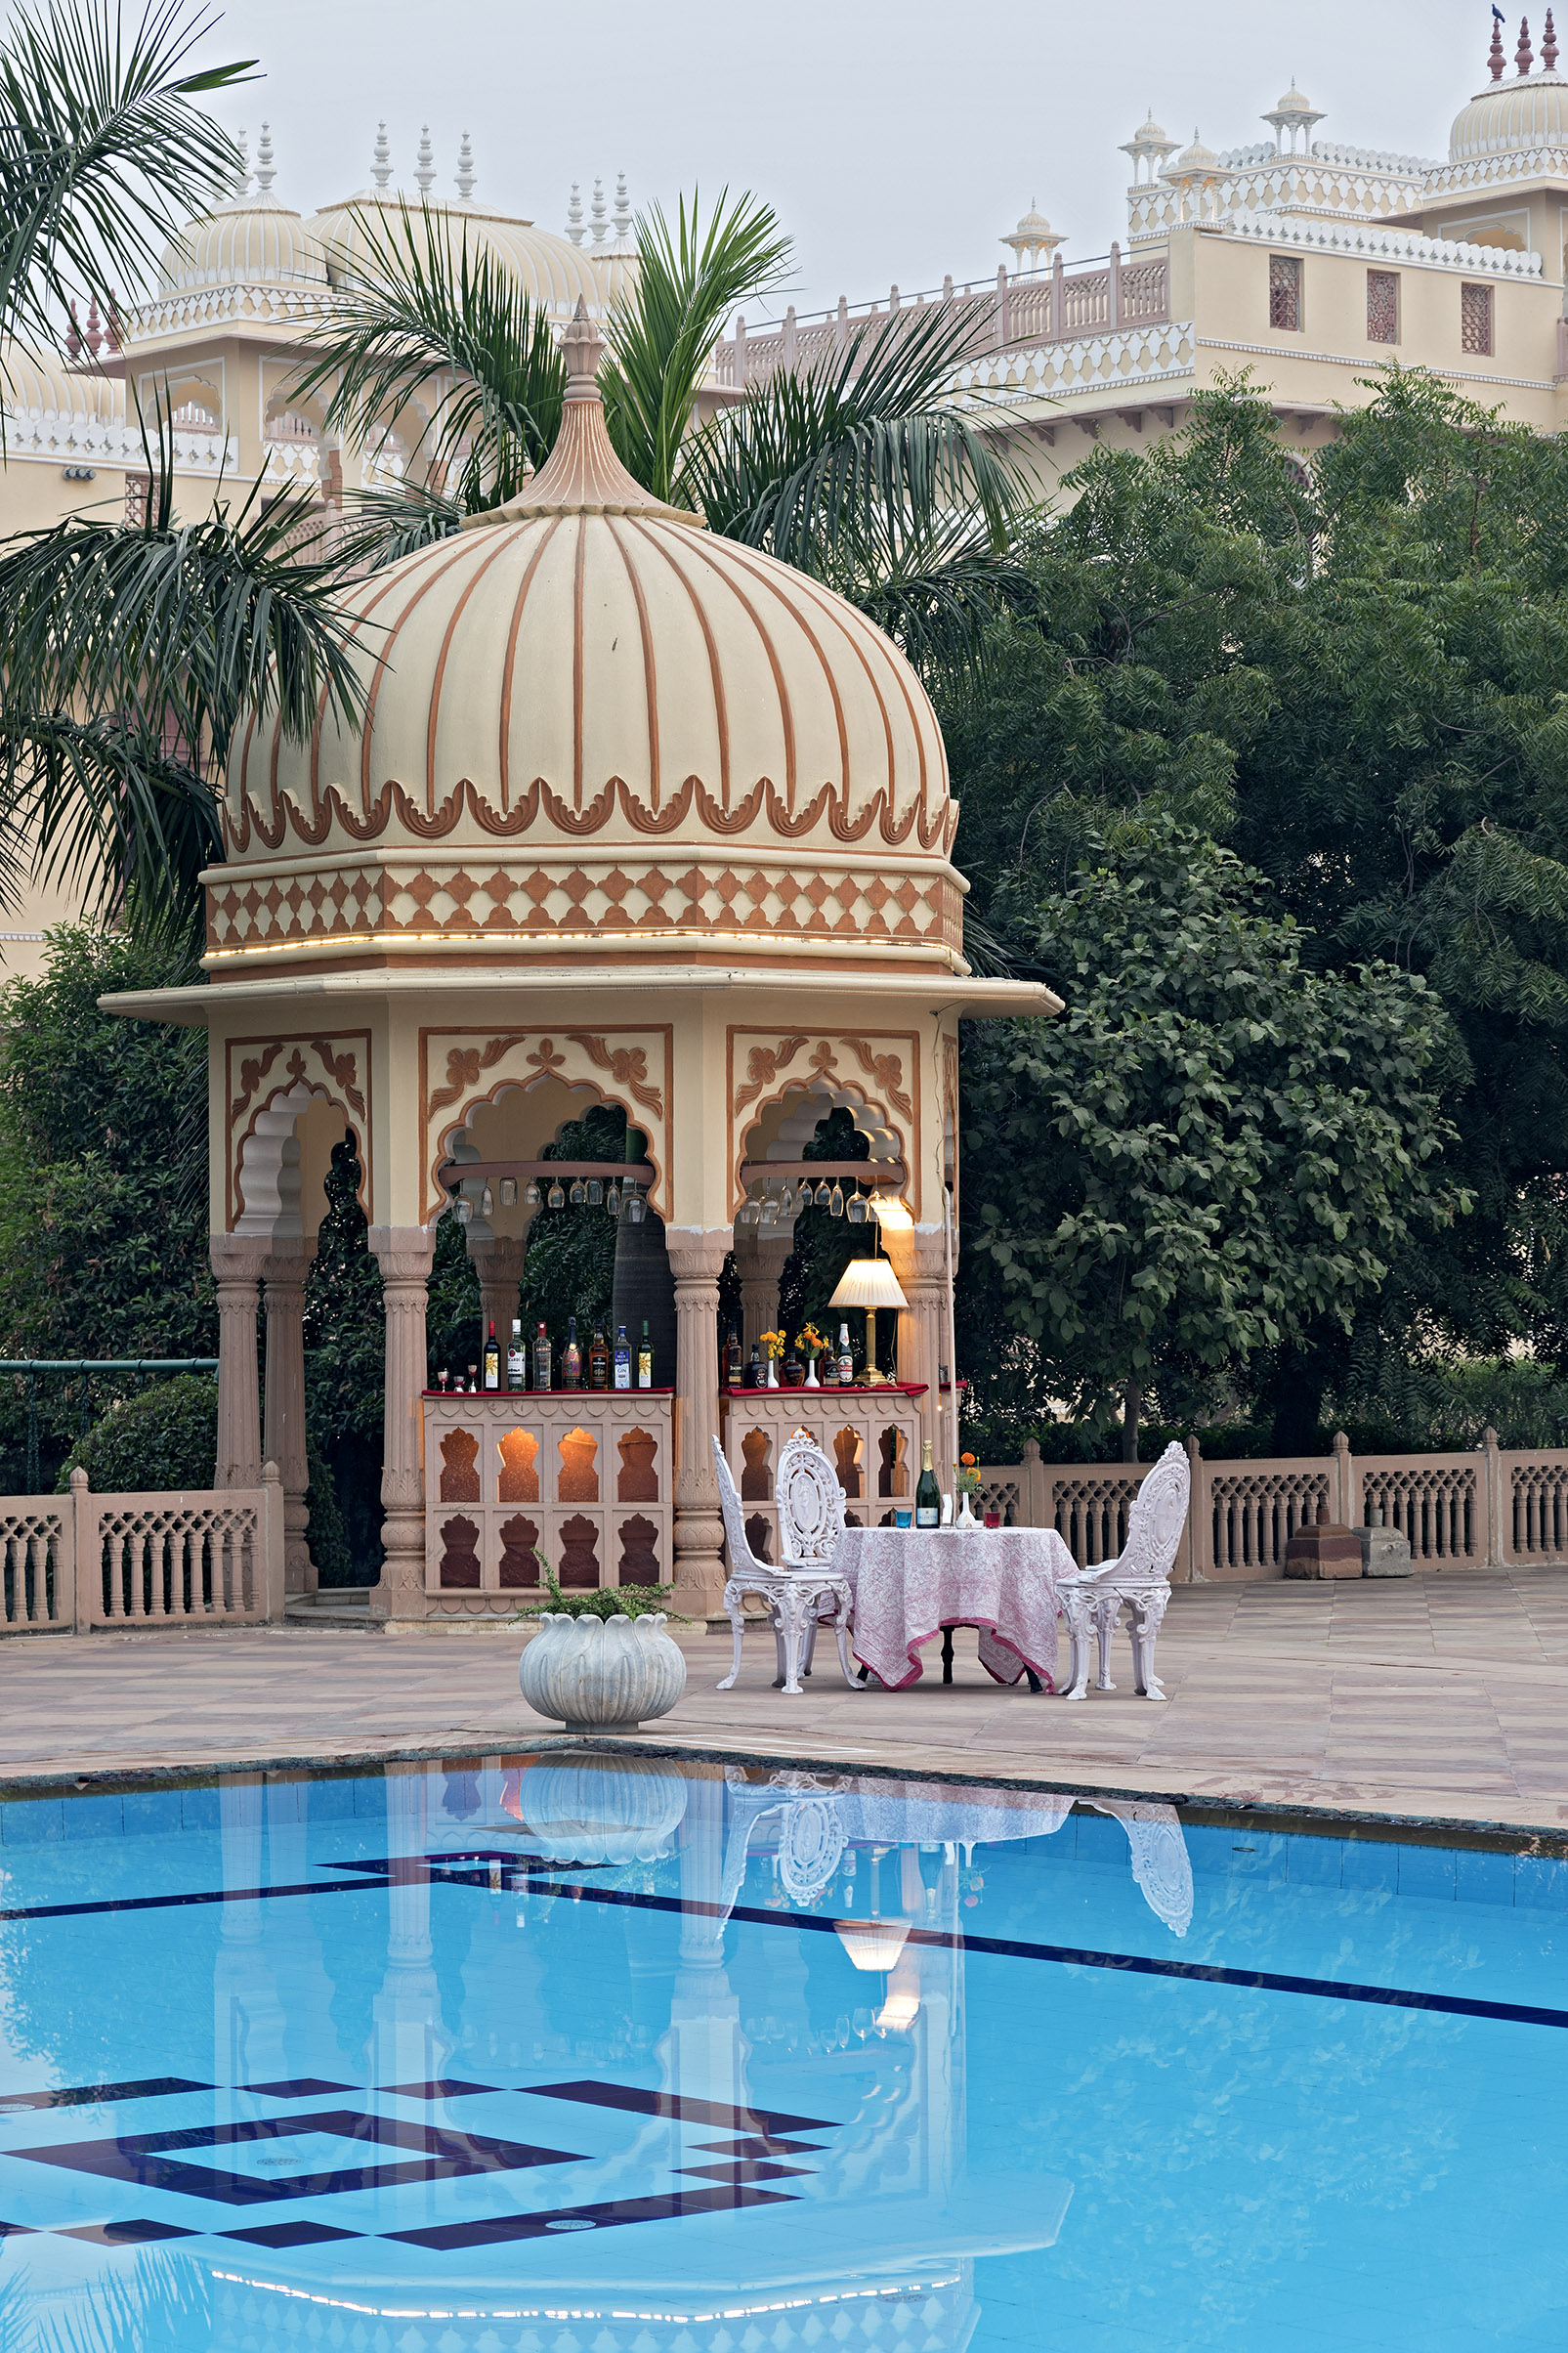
237,1258
405,1254
697,1255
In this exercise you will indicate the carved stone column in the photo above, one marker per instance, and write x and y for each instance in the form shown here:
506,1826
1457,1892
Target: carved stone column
236,1264
759,1262
285,1272
405,1254
920,1261
498,1264
696,1260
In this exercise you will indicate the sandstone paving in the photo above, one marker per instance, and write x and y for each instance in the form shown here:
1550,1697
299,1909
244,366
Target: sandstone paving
1445,1698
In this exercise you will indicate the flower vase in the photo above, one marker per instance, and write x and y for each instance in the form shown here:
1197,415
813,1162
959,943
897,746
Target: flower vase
773,1372
811,1380
966,1517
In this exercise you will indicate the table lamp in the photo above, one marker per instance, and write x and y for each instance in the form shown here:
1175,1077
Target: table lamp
869,1283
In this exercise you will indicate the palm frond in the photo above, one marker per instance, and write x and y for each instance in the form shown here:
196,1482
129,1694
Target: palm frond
127,655
380,526
103,155
437,335
688,280
863,473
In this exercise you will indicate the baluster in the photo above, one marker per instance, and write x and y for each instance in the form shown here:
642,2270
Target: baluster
1003,334
1116,284
789,338
1058,296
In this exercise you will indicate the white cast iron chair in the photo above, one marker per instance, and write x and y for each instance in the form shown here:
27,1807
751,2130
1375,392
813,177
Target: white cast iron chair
1138,1581
798,1591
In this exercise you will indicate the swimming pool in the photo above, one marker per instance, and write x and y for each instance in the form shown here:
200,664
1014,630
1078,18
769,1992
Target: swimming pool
581,2054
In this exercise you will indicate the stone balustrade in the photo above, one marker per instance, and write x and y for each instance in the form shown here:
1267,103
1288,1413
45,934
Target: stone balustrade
1490,1507
78,1562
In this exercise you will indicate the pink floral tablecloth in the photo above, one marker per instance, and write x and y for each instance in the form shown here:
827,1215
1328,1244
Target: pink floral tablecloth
910,1583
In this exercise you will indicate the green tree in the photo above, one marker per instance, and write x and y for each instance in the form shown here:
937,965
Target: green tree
1212,1147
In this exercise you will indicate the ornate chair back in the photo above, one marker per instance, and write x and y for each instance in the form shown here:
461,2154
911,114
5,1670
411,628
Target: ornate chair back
742,1562
1155,1520
810,1505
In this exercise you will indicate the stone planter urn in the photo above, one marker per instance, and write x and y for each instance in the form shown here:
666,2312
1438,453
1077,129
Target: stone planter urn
624,1812
597,1676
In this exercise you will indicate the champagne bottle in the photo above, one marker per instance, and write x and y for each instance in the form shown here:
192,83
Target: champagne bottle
928,1495
732,1361
846,1357
598,1359
571,1357
622,1358
541,1356
645,1360
493,1359
514,1355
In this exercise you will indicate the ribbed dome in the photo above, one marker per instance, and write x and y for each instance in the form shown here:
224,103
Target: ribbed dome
549,268
41,380
1510,118
587,679
256,242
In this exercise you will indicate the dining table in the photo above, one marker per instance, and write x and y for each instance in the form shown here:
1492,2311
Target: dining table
912,1584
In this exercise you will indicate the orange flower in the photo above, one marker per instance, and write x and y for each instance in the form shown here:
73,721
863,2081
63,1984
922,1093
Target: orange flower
968,1460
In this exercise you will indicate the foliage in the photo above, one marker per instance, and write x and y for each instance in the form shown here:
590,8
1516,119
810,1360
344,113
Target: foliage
604,1602
130,653
103,155
345,1361
326,1534
164,1437
686,281
1211,1146
862,473
420,307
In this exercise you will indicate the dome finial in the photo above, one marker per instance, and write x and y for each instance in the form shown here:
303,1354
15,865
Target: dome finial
242,176
381,166
1548,47
575,215
623,204
425,164
1496,61
1524,55
601,226
465,174
264,172
582,347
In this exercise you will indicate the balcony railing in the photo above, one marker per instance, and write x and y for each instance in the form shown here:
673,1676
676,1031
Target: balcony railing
1029,307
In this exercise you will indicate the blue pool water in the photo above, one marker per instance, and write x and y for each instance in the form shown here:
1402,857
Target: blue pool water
576,2054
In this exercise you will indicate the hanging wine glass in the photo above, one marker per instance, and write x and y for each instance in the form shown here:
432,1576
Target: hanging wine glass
835,1200
636,1207
749,1212
855,1208
486,1203
508,1191
533,1196
770,1211
786,1200
612,1199
557,1196
823,1194
596,1192
465,1210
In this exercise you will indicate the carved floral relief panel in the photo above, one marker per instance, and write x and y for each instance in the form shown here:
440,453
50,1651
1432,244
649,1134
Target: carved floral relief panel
881,1068
461,1069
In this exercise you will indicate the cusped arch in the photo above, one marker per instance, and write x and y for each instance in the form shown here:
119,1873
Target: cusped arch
561,1077
279,1171
784,1121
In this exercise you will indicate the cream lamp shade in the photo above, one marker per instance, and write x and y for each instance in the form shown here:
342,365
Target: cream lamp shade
872,1944
869,1283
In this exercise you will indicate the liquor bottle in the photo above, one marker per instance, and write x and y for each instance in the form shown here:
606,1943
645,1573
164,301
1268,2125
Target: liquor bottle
514,1355
493,1359
598,1359
928,1495
541,1356
755,1377
571,1357
622,1358
645,1360
846,1357
732,1361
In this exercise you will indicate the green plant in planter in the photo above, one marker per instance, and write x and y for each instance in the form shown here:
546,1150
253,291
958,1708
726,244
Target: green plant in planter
603,1602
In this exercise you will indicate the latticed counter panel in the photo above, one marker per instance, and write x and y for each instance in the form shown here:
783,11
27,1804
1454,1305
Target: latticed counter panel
870,1436
580,1479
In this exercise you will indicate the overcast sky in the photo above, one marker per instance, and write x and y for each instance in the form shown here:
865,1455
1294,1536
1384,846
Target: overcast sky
897,142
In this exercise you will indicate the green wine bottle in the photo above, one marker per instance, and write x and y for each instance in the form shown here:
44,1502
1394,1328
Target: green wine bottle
928,1495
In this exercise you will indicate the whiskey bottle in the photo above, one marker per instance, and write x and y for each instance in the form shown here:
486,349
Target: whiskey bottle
645,1360
623,1359
598,1359
732,1361
928,1495
571,1357
493,1359
514,1356
541,1356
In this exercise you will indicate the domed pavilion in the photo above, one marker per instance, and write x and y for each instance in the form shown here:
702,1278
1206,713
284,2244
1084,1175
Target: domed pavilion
634,815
